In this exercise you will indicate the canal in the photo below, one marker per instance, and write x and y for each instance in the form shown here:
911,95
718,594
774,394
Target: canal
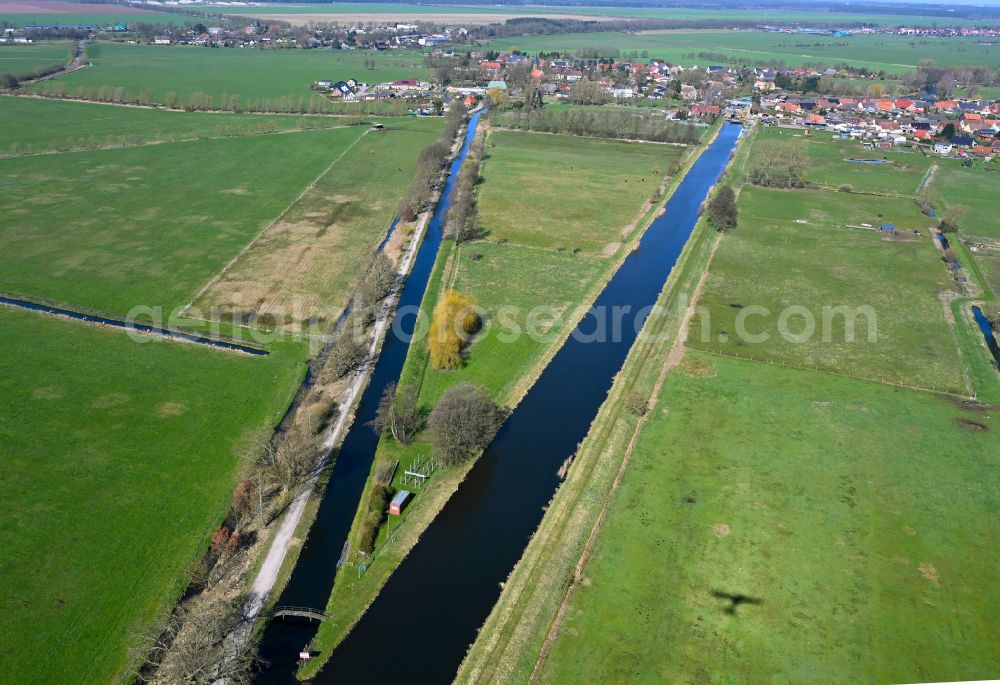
313,575
420,625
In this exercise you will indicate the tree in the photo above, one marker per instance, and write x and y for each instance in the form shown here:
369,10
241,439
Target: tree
398,412
722,209
948,132
454,321
346,354
463,422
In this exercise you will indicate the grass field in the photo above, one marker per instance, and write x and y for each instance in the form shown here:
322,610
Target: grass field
112,229
565,192
400,9
21,59
306,263
828,164
36,125
119,459
856,518
893,54
773,262
82,17
973,193
252,74
989,262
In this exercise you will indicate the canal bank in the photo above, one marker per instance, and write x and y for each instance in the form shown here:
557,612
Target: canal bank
355,588
312,576
451,578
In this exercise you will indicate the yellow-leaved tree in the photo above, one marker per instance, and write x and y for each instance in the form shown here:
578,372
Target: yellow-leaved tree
454,322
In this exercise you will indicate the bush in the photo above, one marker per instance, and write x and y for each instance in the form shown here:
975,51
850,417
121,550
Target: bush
637,404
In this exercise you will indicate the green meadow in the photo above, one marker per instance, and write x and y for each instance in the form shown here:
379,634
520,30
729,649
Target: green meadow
972,194
22,59
899,173
119,460
33,125
252,74
308,261
112,229
100,19
568,193
680,13
853,521
804,271
892,54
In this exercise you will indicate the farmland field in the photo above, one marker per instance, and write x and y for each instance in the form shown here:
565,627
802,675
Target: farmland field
119,459
356,11
972,194
307,262
112,229
37,125
251,74
771,261
59,13
855,523
564,192
21,59
893,54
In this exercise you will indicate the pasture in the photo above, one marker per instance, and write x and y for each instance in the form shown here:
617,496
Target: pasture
112,229
892,54
804,271
59,13
566,192
22,59
356,11
898,171
851,521
35,125
119,461
252,74
971,194
307,262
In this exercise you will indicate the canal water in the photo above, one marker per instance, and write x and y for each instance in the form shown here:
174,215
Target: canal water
987,329
312,578
133,326
419,627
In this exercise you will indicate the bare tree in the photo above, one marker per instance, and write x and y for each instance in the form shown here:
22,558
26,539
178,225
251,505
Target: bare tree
398,412
463,422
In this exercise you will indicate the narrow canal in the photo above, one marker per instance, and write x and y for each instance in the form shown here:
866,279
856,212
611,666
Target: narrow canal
419,627
312,578
133,326
988,335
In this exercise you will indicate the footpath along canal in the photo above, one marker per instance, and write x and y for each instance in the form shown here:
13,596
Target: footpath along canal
313,575
420,625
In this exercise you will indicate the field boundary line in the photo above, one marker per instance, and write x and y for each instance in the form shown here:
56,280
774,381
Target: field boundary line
246,248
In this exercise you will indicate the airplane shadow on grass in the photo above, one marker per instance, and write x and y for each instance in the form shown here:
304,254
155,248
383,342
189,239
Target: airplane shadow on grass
735,600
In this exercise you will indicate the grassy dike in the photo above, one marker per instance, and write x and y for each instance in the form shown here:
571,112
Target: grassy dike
353,594
513,635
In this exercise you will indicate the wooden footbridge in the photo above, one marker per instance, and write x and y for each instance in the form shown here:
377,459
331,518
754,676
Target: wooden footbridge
301,612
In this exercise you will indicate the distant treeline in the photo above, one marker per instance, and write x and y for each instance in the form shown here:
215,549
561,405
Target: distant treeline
603,123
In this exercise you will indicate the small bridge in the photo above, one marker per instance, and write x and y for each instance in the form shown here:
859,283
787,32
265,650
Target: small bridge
301,612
